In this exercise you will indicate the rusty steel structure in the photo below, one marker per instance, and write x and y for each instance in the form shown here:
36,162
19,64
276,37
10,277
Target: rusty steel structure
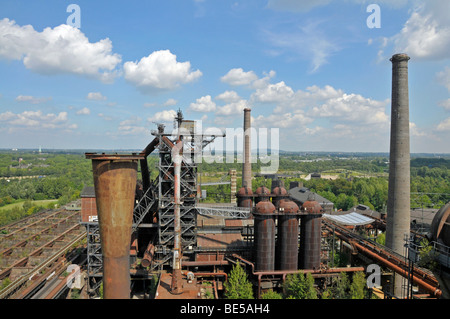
287,238
310,235
245,197
115,179
264,214
440,226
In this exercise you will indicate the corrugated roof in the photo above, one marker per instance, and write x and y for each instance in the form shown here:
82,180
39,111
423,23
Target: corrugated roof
354,219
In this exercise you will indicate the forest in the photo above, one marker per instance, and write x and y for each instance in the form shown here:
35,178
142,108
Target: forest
32,178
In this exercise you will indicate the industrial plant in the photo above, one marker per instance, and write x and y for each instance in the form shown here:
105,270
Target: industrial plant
145,232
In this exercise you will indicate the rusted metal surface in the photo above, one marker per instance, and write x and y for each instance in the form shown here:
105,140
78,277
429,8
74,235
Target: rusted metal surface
262,193
176,286
148,255
440,226
279,193
265,236
115,185
287,241
245,197
310,235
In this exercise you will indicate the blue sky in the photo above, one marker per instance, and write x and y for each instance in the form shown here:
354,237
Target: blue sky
312,69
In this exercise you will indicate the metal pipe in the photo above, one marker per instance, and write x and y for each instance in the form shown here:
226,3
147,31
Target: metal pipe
115,185
176,287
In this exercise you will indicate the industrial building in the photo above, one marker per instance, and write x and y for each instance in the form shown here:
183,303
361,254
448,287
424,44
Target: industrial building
139,231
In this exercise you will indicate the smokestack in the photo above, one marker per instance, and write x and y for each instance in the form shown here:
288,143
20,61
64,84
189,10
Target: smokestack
115,185
398,206
247,167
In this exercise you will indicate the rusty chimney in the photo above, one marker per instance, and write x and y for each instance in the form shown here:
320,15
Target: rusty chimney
115,185
398,205
247,167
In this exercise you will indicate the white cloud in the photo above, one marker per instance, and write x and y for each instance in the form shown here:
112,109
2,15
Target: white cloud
273,93
84,111
36,119
444,125
353,108
445,104
238,76
96,96
228,97
163,116
415,131
63,49
426,33
286,120
443,77
203,104
233,108
170,102
32,99
159,71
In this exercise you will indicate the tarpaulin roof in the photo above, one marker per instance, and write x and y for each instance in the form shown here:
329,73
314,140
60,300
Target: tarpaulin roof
354,219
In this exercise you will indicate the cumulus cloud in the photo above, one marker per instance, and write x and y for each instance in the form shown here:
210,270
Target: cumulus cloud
228,97
63,49
96,96
444,125
32,99
278,92
238,76
36,119
163,116
233,108
426,33
84,111
203,104
353,108
159,71
170,102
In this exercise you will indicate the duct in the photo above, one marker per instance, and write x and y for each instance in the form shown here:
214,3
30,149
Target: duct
113,175
176,287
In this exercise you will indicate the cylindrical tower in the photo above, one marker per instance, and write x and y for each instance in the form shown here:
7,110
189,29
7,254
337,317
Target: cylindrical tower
310,235
398,205
278,194
262,194
115,185
247,167
264,245
287,238
245,197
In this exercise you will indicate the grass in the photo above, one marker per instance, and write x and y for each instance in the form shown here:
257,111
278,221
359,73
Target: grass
43,202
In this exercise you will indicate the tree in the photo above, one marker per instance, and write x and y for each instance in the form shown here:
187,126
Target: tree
299,286
237,286
357,287
271,295
342,284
